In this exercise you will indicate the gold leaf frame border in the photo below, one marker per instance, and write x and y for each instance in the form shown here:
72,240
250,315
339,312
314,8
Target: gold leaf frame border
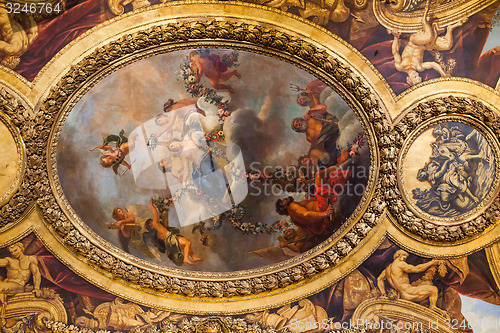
16,116
450,108
21,160
134,271
493,257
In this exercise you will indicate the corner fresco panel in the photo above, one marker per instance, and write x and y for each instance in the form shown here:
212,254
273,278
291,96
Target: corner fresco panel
407,41
416,293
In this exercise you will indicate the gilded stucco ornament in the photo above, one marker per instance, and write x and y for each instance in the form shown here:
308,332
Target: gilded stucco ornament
319,12
194,325
405,16
170,37
22,127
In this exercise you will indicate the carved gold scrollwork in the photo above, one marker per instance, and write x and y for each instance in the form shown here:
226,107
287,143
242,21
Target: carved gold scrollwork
384,312
192,325
19,128
318,11
24,304
405,16
117,6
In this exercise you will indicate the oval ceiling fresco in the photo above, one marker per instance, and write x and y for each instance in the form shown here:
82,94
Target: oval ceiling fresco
217,160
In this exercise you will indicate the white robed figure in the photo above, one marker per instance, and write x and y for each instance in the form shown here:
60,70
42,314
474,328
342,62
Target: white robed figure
172,153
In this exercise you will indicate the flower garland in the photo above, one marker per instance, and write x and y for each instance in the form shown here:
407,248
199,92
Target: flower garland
357,144
216,135
234,216
223,110
197,89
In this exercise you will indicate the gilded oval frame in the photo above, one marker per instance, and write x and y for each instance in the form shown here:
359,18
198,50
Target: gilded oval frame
187,34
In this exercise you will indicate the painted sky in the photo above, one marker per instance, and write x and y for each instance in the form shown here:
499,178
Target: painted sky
483,317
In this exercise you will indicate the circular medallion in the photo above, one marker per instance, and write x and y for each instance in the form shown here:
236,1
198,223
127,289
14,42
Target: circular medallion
12,159
211,160
448,170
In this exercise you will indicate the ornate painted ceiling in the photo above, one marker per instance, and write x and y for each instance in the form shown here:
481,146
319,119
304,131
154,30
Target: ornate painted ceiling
260,166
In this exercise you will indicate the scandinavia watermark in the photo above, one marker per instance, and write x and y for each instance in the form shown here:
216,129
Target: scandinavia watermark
276,181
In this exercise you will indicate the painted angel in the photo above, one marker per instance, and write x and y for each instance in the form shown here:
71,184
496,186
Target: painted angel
211,65
115,157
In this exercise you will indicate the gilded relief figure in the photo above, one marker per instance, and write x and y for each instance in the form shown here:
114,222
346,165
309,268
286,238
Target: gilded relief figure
458,172
18,33
411,60
19,269
122,315
397,276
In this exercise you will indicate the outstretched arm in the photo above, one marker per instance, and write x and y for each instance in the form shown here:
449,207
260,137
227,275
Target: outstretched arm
4,262
105,147
127,221
167,125
310,214
419,268
198,73
156,216
380,282
318,109
425,17
294,247
440,173
37,278
395,51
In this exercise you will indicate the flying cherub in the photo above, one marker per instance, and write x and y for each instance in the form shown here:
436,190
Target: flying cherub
411,60
113,158
210,65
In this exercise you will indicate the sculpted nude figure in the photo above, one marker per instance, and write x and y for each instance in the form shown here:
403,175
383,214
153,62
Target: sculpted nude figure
19,269
397,276
16,37
411,59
